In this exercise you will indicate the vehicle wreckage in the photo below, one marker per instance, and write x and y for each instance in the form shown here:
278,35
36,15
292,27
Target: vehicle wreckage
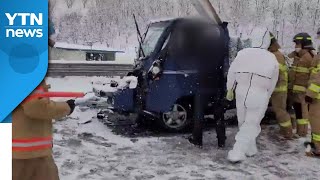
168,73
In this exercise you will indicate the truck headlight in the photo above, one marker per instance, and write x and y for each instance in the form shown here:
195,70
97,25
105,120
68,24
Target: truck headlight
155,70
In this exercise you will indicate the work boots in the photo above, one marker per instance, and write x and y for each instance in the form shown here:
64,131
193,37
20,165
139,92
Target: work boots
312,148
302,130
317,148
286,132
197,134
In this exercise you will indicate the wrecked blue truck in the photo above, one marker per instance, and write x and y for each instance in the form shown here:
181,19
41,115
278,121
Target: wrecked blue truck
173,56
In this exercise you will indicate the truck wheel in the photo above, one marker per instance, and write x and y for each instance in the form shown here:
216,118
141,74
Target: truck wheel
178,119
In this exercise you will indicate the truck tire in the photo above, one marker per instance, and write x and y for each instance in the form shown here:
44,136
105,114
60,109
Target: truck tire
178,119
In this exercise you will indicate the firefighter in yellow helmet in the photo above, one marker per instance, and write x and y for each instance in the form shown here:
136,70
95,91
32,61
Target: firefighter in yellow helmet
299,75
279,96
313,98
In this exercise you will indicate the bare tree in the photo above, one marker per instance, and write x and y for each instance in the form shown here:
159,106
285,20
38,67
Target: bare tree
239,13
219,6
277,13
261,7
297,14
99,3
69,3
111,20
282,32
316,16
52,5
84,3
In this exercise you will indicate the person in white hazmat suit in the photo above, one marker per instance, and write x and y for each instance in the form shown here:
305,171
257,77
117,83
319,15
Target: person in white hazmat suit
252,77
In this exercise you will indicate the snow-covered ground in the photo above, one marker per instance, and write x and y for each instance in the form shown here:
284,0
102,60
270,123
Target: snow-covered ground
93,151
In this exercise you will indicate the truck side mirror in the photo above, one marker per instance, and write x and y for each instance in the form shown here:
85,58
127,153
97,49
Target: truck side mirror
155,70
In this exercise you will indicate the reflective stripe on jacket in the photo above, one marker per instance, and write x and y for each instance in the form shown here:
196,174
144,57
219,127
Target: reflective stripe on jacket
282,84
32,125
31,144
299,73
313,89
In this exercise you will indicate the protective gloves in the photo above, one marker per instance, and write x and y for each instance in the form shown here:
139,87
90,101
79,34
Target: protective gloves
71,104
86,100
230,95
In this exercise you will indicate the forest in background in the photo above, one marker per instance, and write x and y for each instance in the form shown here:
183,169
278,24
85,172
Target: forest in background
110,22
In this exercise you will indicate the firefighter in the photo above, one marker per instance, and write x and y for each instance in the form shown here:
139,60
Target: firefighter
279,96
32,135
299,75
252,78
32,132
313,99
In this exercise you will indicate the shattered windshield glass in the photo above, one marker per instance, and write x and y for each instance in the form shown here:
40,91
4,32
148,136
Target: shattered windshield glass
152,37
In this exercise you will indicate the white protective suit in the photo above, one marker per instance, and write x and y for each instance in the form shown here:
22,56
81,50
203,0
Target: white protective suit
253,76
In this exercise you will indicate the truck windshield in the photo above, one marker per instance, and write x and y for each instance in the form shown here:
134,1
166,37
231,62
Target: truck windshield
151,39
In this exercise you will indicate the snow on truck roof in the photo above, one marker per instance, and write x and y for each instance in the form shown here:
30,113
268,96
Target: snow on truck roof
174,18
101,48
162,20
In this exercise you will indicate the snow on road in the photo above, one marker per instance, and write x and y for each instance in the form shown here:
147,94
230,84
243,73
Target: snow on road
93,151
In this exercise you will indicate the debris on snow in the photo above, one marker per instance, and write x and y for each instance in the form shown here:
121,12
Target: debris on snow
106,87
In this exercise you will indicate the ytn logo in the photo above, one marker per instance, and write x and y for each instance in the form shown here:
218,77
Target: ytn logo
30,25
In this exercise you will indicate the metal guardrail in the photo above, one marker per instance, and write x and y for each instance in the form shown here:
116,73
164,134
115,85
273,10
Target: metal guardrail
87,69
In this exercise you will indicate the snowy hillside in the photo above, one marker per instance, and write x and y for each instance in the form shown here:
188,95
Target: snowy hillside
110,21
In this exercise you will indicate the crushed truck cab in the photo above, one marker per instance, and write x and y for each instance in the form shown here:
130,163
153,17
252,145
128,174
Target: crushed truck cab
169,63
